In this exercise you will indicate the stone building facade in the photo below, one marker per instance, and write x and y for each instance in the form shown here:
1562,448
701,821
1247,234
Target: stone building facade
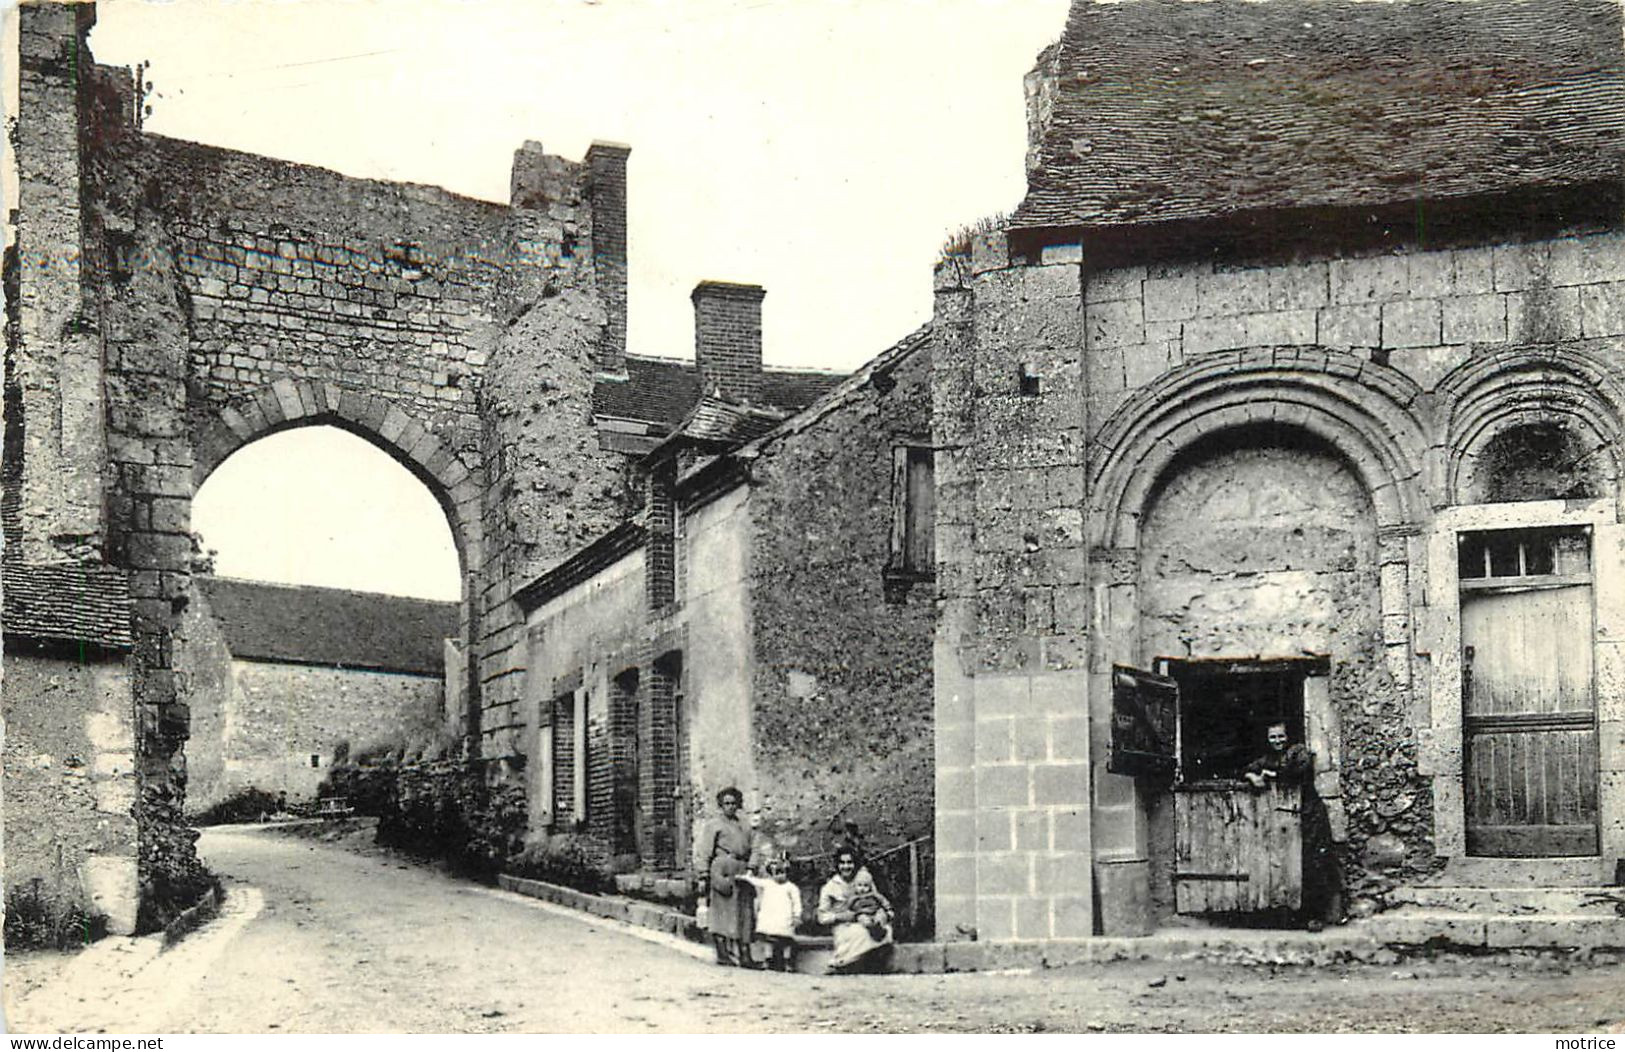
1300,358
283,677
764,622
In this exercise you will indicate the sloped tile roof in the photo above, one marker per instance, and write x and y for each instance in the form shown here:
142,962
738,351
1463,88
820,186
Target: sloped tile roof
663,390
1193,109
716,419
330,626
74,604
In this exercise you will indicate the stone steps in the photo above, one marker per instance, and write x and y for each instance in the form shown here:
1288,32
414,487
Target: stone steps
1416,926
1513,901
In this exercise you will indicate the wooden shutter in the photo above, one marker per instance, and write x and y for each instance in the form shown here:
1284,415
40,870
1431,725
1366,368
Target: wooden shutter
1145,708
919,553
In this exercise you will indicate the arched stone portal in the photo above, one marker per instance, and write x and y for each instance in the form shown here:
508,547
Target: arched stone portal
408,440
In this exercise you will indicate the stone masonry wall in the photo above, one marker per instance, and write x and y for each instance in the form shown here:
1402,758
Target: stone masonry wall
842,720
186,299
256,724
52,354
1239,556
296,271
550,489
70,782
1011,711
1407,362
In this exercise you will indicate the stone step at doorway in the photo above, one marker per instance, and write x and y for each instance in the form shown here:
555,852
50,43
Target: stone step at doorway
1596,901
1416,926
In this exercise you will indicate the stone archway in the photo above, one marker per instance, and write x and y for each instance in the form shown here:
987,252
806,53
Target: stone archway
1361,421
456,487
1361,409
289,403
1490,396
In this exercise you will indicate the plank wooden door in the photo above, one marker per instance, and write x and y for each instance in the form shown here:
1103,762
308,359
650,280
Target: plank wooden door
1237,849
1529,718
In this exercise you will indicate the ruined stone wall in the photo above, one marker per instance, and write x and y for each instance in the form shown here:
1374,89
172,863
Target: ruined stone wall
53,356
295,271
70,782
842,710
550,489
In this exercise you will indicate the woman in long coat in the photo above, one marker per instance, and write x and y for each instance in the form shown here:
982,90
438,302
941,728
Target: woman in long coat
722,853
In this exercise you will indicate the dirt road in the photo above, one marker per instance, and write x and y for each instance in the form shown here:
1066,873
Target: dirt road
351,942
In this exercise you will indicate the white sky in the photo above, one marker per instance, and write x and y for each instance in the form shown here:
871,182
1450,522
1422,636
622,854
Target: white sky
317,505
821,148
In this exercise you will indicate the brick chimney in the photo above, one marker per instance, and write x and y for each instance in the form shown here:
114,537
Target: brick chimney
728,339
606,190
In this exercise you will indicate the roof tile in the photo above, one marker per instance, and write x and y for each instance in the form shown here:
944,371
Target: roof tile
1170,110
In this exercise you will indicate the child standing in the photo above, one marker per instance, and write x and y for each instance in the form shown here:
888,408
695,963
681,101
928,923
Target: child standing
778,909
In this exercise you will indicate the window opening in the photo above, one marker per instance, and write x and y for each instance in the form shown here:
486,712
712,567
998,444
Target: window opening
1497,555
1227,705
914,513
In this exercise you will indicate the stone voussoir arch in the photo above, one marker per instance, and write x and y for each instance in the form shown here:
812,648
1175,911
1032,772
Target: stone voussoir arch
1493,393
288,403
1363,410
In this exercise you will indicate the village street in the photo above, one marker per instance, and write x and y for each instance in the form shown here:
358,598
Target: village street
354,939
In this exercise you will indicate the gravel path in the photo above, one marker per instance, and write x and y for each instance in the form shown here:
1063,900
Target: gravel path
361,941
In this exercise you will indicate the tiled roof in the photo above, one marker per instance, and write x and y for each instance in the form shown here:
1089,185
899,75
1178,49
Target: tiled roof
74,604
664,390
1194,109
330,626
716,419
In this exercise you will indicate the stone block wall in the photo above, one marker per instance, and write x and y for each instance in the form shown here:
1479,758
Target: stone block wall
53,354
1013,737
1404,364
256,724
70,782
842,711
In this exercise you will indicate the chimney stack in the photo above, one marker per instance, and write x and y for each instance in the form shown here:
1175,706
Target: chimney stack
728,339
606,189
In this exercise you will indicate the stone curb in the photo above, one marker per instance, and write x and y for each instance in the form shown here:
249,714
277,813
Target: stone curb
934,958
194,916
1360,941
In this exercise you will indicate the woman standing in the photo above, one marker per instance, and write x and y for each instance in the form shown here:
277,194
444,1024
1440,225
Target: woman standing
859,939
722,854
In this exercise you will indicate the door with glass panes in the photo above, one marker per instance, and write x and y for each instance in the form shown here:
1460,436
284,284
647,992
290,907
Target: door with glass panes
1529,717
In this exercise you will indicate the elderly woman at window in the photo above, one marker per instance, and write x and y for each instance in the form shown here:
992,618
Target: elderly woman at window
858,916
723,853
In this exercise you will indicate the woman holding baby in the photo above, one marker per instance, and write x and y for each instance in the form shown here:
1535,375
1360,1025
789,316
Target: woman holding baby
858,915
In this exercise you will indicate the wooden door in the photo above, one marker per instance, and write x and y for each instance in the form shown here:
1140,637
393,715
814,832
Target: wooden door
1529,716
1237,849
